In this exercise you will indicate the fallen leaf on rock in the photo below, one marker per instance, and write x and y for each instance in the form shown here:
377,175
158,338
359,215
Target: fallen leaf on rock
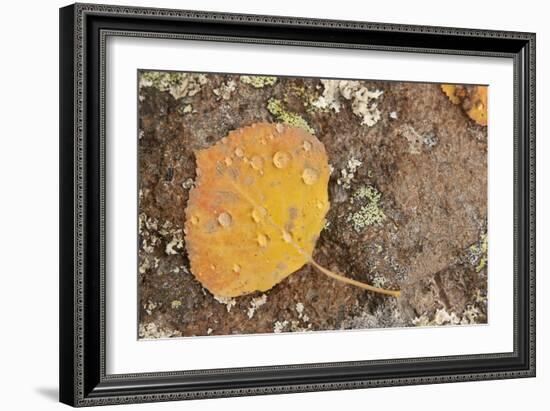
473,100
257,209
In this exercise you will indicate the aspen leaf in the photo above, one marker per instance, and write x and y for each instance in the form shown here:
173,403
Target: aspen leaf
452,93
473,100
477,109
257,209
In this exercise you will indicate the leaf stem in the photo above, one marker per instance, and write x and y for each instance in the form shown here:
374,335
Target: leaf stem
350,281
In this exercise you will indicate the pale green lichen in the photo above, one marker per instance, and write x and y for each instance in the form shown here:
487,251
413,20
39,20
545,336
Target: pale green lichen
259,81
275,107
370,213
179,85
477,253
302,93
483,260
176,304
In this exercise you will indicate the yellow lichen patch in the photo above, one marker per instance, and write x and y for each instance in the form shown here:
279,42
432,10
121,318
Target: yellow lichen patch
259,81
241,228
473,100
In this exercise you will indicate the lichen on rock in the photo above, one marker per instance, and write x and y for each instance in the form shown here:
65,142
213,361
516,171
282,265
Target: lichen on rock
276,107
255,304
363,101
258,81
179,85
225,90
417,142
443,317
478,253
370,212
348,173
152,331
430,245
227,301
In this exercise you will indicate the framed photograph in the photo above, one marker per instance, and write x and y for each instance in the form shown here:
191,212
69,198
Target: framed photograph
259,204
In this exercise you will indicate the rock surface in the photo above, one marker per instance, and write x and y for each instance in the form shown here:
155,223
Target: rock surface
408,196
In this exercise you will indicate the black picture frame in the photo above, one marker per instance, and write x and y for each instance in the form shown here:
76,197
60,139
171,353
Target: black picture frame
83,30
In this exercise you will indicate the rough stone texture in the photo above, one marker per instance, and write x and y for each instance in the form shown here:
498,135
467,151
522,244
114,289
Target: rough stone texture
425,157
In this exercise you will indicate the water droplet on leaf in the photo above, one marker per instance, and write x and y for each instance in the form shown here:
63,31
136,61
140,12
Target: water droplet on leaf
287,236
225,219
262,240
258,213
281,159
257,163
310,176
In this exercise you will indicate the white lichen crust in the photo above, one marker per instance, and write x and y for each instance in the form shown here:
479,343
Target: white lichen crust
225,90
255,304
348,173
443,317
229,302
179,85
363,101
149,331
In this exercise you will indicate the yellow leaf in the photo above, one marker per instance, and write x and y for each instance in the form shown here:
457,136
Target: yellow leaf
478,105
473,100
257,209
450,90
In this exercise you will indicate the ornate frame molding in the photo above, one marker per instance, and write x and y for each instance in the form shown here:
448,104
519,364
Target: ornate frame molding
82,336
